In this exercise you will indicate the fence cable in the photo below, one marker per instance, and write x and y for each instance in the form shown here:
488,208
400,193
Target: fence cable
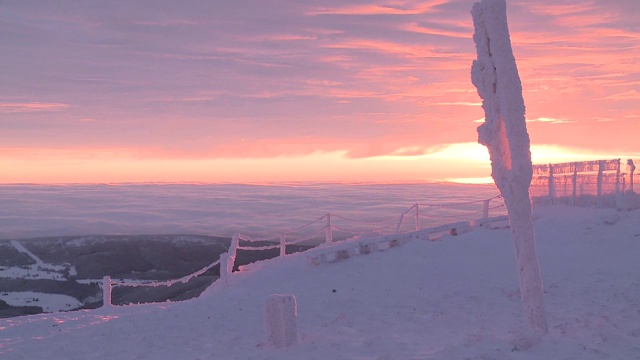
183,279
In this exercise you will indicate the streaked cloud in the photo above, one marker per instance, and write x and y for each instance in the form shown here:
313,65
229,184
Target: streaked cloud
383,8
32,107
627,95
549,120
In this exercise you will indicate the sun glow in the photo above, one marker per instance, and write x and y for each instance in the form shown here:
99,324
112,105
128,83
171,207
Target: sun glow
459,162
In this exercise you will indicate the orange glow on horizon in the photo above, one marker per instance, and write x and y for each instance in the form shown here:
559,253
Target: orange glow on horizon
460,162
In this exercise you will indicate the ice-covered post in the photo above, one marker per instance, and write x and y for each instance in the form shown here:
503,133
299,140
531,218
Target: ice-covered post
601,166
106,291
228,259
631,168
328,235
417,216
280,320
224,275
485,208
283,244
504,132
552,185
618,176
574,181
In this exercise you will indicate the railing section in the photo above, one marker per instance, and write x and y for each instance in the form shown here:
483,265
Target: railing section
598,182
326,230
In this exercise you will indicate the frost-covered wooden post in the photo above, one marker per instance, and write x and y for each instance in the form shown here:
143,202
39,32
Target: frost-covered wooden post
485,208
631,168
283,244
106,291
574,180
228,259
417,216
504,132
224,261
601,167
233,248
328,235
280,320
552,185
618,165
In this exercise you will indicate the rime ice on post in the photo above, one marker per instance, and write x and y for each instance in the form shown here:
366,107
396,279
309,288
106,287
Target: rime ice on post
106,291
280,317
504,133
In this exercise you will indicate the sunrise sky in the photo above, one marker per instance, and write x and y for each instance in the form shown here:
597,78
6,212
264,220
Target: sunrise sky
270,90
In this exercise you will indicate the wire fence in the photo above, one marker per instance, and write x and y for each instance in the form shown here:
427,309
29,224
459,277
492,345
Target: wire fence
328,229
598,182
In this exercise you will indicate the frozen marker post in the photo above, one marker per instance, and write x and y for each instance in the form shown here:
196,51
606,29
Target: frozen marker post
504,132
280,317
106,291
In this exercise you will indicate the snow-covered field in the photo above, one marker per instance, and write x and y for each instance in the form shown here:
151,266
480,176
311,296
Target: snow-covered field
49,302
456,298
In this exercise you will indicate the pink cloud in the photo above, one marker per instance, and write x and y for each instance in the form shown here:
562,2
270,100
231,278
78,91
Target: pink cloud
32,107
389,8
464,32
632,94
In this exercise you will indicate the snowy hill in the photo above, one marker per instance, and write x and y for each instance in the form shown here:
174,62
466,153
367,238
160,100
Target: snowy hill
456,298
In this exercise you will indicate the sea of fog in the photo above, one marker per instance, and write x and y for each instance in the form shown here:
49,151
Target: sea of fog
30,211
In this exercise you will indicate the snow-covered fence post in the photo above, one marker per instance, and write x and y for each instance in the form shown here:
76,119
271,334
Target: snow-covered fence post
630,168
106,291
328,235
574,193
485,208
280,320
618,177
224,261
228,259
552,185
601,166
504,132
417,216
283,244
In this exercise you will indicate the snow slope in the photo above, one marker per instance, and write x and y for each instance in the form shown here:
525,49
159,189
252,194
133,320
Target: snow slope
456,298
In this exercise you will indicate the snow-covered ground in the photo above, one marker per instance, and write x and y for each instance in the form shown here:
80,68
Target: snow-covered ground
456,298
49,302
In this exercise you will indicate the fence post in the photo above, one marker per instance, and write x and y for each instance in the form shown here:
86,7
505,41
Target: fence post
574,193
224,262
485,209
600,181
631,168
618,178
235,240
329,230
417,216
106,291
283,245
552,185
